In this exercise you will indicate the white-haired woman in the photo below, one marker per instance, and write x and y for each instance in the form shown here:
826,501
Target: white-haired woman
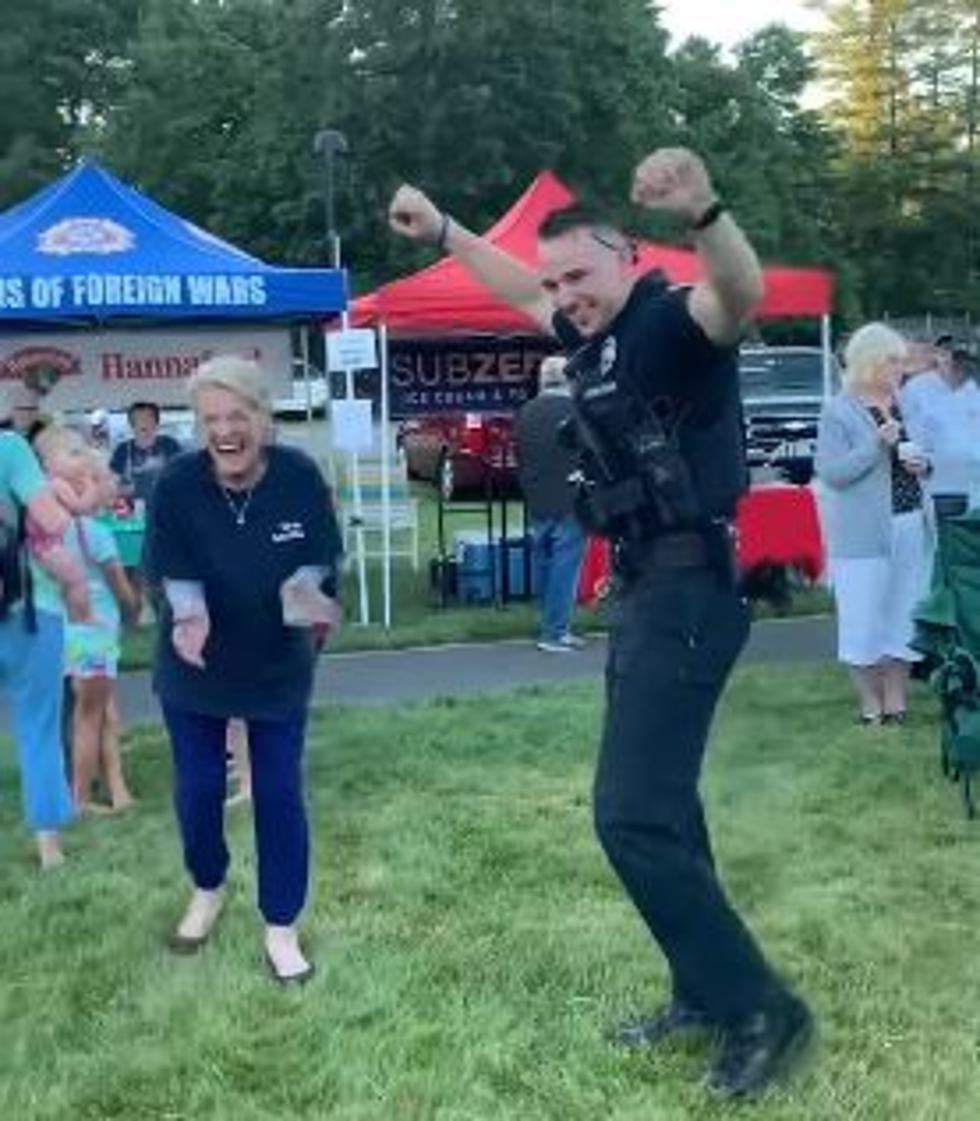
874,525
239,533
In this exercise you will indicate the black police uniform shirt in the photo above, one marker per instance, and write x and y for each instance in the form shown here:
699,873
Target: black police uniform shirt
255,666
655,347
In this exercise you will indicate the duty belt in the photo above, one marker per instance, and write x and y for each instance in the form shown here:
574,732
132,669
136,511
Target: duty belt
711,547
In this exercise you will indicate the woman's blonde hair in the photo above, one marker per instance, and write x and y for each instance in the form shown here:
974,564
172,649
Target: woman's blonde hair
241,376
866,350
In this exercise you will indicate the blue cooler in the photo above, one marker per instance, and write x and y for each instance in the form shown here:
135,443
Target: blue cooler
479,571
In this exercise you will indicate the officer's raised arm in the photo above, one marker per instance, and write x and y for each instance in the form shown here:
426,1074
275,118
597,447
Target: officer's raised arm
414,215
675,180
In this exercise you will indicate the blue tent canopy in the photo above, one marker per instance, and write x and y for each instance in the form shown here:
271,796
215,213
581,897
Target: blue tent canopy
88,247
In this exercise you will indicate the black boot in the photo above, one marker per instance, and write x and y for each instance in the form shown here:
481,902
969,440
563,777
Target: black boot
761,1049
672,1019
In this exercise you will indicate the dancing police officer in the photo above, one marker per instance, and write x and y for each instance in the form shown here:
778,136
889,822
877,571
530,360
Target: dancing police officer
658,428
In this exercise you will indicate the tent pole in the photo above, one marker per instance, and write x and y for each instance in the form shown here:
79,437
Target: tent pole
385,476
355,481
826,347
304,350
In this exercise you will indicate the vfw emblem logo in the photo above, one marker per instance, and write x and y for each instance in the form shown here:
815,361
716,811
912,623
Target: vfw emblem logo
40,368
85,235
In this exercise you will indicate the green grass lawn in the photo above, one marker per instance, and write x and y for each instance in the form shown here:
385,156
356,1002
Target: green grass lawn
472,942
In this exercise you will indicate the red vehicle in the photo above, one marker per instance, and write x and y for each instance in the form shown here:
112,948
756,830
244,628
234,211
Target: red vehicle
460,451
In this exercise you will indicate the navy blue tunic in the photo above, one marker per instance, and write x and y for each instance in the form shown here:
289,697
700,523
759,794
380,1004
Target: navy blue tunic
255,666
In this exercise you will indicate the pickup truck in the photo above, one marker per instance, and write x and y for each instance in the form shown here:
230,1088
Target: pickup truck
782,393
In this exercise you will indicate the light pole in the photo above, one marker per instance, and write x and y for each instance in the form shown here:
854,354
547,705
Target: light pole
329,143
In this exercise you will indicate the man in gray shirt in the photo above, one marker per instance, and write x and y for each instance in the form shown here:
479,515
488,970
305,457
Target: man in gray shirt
543,467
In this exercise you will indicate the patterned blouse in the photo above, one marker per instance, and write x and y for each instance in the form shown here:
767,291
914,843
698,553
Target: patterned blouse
906,491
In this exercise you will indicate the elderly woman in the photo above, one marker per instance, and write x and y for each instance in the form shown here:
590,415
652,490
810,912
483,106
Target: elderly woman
243,538
874,524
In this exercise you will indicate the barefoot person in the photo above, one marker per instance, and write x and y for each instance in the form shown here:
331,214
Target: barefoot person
239,533
659,427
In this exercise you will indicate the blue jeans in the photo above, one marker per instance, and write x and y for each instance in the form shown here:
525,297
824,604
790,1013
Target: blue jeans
558,547
282,844
30,672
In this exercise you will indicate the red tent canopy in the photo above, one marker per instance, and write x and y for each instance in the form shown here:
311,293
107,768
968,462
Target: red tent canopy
443,297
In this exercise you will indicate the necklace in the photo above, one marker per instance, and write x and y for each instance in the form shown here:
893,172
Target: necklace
238,510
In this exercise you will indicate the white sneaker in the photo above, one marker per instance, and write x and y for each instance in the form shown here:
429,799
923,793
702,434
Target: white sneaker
572,641
553,646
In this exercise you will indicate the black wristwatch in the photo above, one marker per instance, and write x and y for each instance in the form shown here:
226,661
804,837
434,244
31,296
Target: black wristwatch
710,216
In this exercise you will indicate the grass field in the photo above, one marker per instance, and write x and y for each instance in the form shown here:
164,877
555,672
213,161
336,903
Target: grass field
472,942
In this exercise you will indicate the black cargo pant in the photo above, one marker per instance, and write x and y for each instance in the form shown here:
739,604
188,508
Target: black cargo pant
675,638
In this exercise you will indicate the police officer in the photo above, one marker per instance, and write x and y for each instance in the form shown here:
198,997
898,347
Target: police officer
662,467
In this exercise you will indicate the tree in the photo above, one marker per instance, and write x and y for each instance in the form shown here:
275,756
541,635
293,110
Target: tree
61,61
218,117
471,100
904,81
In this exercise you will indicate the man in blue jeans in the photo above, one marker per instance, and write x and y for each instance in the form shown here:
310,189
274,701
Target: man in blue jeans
543,467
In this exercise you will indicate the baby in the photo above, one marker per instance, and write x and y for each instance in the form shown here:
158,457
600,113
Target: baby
75,484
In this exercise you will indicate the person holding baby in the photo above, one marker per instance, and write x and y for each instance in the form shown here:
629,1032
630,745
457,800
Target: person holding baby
33,521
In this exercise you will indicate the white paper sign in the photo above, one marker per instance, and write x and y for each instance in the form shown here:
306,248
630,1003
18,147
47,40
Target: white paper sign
352,350
351,421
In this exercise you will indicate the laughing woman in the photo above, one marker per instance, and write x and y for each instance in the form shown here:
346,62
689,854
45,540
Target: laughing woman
236,529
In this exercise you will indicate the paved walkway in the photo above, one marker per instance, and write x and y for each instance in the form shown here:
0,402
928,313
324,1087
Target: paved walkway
392,676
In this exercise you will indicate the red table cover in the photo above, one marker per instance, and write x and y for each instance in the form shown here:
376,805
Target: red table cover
775,524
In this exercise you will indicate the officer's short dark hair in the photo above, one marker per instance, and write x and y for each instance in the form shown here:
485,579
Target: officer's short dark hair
136,406
557,223
576,216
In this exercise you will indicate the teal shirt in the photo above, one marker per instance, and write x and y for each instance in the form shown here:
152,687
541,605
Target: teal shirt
99,549
21,477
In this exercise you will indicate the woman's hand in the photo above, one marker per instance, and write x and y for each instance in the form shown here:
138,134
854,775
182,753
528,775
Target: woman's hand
189,637
913,458
917,467
304,605
889,432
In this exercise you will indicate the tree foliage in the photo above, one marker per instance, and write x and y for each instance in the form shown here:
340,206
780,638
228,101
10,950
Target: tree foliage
904,80
212,106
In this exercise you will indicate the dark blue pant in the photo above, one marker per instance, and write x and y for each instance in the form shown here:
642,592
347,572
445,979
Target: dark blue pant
673,644
281,834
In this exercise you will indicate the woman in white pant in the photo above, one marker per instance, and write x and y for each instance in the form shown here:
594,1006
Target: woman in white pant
874,523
